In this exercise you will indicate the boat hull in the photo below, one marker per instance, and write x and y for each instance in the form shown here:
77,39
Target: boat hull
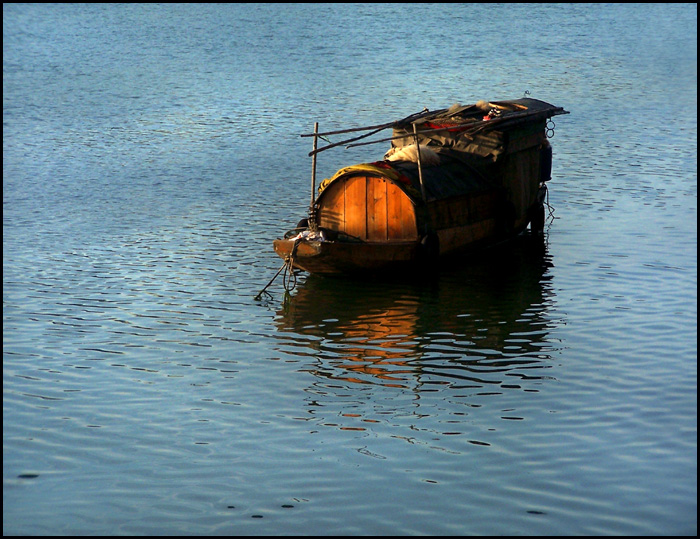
343,257
336,257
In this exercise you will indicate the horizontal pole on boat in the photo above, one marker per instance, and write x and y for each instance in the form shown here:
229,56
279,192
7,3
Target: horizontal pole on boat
354,129
422,132
491,124
351,130
375,129
334,144
515,118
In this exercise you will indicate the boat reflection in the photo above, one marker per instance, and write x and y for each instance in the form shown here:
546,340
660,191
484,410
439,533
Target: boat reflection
479,323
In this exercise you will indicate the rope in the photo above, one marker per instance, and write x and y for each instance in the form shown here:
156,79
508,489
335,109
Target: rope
289,278
550,208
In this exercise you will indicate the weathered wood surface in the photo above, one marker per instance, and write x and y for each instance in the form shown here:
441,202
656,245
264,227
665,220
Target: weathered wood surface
368,208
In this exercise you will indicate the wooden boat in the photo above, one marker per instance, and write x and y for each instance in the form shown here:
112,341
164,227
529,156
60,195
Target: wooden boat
459,178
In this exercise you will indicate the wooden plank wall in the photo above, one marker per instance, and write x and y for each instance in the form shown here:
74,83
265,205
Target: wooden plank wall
520,173
369,208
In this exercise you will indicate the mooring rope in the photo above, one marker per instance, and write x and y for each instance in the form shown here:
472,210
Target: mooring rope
289,278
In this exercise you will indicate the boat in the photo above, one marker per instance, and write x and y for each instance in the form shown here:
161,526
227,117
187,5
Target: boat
453,180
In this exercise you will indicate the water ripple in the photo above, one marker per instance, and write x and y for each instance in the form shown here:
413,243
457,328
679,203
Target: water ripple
151,155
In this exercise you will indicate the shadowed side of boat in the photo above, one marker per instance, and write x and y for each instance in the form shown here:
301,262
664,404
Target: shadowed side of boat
335,257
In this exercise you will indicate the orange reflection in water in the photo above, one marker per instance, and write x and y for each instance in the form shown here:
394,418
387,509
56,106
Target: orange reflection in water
367,338
468,321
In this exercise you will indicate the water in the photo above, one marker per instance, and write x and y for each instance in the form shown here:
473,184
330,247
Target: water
151,155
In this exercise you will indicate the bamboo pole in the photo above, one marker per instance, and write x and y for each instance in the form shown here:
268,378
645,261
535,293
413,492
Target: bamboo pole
350,130
378,126
421,132
477,125
375,129
313,169
333,145
420,168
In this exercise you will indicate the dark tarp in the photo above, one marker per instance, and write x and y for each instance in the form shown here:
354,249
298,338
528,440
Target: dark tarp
452,177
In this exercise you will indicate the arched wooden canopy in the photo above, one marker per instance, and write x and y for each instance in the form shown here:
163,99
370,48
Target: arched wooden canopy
371,208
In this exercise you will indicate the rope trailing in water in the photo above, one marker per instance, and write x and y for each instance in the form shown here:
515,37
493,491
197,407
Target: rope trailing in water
289,278
550,208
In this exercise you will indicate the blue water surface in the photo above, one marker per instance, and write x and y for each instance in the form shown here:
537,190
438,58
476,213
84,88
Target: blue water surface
151,153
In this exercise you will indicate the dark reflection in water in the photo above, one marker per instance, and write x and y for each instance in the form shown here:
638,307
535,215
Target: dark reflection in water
480,323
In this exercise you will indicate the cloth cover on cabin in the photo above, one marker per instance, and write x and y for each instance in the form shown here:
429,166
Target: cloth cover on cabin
462,128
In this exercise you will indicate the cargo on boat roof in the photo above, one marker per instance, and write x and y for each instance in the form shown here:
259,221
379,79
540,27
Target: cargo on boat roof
481,129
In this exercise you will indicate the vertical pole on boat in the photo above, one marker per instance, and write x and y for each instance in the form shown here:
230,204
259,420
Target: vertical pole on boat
420,168
312,219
